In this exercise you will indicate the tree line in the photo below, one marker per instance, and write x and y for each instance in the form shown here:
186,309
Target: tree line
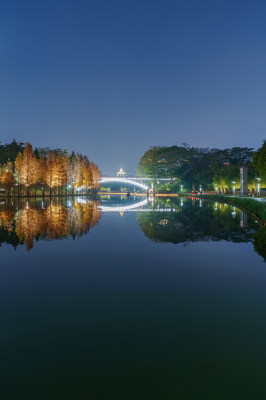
210,168
43,171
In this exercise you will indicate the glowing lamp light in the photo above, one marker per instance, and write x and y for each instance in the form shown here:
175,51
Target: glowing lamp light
234,187
258,186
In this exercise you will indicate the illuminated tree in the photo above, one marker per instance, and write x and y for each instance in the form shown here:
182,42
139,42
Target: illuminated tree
78,172
42,170
71,171
60,172
18,170
35,173
49,176
28,169
8,179
87,175
96,175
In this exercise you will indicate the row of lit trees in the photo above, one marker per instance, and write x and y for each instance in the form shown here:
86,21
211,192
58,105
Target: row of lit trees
57,173
228,176
192,167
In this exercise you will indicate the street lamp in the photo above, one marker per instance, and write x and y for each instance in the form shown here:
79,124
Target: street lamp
234,187
258,187
181,188
216,188
200,189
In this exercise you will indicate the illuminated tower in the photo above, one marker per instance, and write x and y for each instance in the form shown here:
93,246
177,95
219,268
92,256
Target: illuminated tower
121,173
243,181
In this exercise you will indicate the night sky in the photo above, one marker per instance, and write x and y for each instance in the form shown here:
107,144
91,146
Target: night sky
109,78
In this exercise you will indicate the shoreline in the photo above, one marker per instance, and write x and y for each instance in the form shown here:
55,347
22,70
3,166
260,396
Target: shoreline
251,206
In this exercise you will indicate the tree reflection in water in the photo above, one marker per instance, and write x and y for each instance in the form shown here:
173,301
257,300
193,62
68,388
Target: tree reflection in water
197,220
29,220
185,221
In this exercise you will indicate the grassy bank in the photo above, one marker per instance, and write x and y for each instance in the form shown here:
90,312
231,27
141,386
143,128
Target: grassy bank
251,206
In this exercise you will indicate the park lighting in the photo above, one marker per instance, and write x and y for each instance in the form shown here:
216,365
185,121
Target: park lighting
181,188
234,187
200,189
258,187
216,188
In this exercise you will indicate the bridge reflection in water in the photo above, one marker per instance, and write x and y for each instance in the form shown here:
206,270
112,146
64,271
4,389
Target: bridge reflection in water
138,207
161,220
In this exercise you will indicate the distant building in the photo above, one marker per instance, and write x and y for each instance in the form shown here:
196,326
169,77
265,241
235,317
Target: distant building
121,173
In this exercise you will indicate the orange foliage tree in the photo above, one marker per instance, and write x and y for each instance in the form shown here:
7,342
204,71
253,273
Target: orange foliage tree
52,169
96,175
28,167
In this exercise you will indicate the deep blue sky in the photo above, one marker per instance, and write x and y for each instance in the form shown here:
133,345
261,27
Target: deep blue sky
109,78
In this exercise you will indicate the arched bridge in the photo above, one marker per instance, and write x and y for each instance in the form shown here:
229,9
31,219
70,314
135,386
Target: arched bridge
135,181
124,180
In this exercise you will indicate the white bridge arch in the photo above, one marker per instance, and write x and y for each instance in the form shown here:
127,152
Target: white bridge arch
124,180
130,207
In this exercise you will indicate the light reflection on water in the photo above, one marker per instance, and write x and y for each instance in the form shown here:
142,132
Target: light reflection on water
179,220
158,300
31,220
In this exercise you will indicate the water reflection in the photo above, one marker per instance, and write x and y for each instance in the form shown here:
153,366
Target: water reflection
197,220
161,220
125,207
28,220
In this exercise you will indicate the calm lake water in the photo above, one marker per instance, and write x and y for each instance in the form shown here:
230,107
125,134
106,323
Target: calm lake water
129,299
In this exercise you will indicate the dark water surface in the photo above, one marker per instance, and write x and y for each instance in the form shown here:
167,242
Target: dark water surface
165,303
